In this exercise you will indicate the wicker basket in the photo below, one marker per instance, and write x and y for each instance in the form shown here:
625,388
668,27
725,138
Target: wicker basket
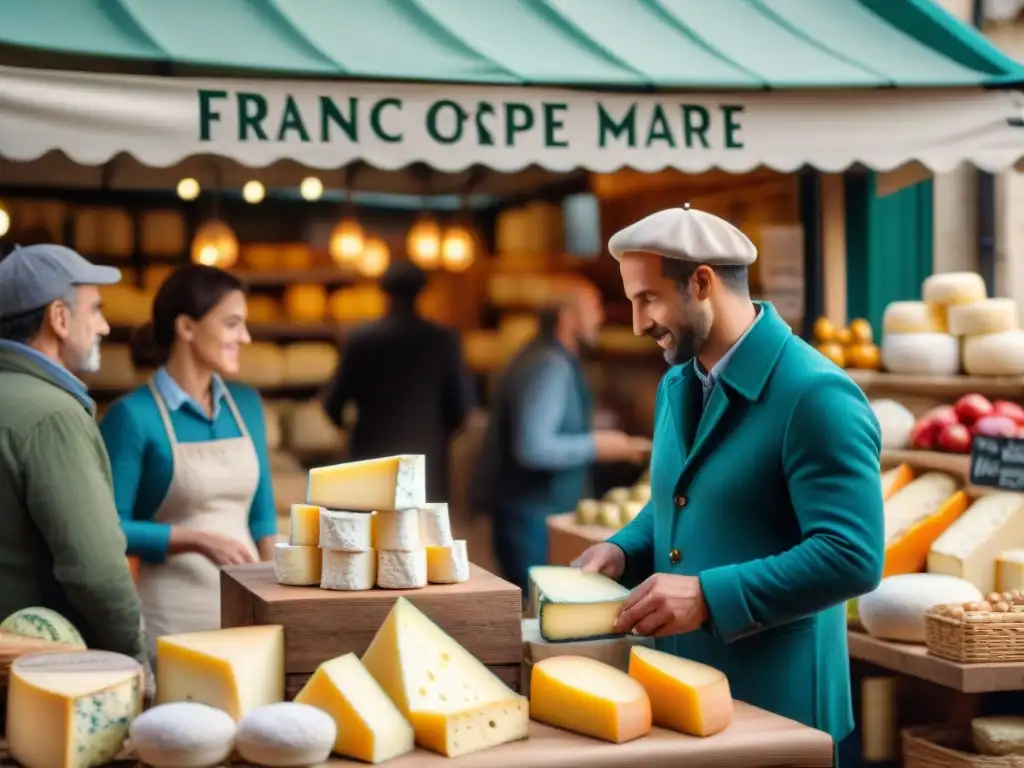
975,638
944,746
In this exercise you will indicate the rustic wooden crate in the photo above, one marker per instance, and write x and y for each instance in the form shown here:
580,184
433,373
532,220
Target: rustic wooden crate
484,615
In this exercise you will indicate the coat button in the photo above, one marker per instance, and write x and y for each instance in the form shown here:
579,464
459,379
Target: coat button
680,501
674,556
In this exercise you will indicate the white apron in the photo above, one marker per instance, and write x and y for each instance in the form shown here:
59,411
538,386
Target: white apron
212,487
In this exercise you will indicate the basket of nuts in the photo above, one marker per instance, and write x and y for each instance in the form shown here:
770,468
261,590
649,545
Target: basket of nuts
990,630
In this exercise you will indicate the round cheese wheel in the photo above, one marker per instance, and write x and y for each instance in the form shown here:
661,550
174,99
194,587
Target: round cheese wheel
924,354
995,354
896,421
305,303
953,288
895,611
285,735
44,624
980,317
911,317
182,735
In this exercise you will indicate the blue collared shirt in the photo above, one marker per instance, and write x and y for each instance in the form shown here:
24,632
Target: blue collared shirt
62,375
709,379
176,398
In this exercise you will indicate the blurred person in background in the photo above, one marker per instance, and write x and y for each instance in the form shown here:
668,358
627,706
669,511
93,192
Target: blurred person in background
407,380
60,543
540,441
189,453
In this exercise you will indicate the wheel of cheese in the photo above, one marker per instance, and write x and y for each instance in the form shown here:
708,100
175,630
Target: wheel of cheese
261,364
305,303
286,735
895,611
182,735
911,317
309,362
995,354
896,421
948,288
923,354
44,624
981,317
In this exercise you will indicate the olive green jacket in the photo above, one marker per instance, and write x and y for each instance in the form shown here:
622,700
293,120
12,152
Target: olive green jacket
770,496
61,545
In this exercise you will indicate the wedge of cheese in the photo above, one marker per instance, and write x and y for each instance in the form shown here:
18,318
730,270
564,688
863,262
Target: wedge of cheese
685,696
587,697
908,552
455,704
926,499
896,479
573,605
394,482
969,548
236,670
1010,570
370,727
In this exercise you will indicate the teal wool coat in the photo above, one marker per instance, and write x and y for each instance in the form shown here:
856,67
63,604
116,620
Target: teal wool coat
771,496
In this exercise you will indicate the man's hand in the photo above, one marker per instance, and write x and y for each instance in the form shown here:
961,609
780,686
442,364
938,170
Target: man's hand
615,445
662,606
603,558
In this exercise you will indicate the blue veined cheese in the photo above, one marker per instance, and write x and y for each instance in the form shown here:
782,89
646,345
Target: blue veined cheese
44,624
393,482
71,710
573,605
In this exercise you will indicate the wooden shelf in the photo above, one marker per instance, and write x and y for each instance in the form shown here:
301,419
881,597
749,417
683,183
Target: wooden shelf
331,276
949,388
954,463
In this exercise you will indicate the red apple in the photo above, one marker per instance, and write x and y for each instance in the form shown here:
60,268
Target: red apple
954,438
995,426
925,433
941,414
1010,410
970,408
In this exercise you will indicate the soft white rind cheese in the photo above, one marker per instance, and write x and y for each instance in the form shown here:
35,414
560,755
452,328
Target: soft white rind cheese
345,531
448,565
921,354
286,735
909,317
349,571
953,288
435,526
896,609
182,735
995,354
397,530
896,422
393,482
981,317
296,566
402,569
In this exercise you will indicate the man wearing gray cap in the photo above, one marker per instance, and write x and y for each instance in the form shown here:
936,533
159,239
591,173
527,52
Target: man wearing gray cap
766,509
61,545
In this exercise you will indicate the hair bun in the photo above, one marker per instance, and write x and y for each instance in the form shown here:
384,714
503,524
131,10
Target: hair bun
146,352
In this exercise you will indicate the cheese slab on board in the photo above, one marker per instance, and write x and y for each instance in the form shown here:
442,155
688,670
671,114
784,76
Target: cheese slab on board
435,526
394,482
448,564
297,566
71,710
455,704
305,525
236,670
685,696
349,571
370,727
400,569
346,531
969,547
573,605
397,529
590,698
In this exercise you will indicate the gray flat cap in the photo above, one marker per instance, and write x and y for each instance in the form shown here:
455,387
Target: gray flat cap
687,235
36,275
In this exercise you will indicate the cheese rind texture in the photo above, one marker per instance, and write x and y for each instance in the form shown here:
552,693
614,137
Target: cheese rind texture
969,547
994,354
896,609
297,566
919,499
397,530
448,565
349,571
924,354
590,698
71,710
44,624
393,482
455,704
182,735
346,531
399,569
305,525
435,526
236,670
685,696
573,605
369,726
285,735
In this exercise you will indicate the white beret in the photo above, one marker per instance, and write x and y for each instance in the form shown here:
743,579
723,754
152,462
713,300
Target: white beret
688,235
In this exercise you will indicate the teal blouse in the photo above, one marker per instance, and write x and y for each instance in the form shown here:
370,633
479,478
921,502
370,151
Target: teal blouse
142,463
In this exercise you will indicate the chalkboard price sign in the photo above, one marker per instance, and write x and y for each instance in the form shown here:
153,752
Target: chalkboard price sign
998,462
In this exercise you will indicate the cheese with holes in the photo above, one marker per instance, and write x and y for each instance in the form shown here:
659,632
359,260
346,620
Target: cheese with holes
395,482
896,422
968,549
685,696
995,354
921,498
349,571
71,710
449,564
435,526
981,317
1010,570
305,525
911,317
370,727
402,569
948,288
587,697
998,735
397,529
285,735
44,624
297,566
455,704
896,609
236,670
573,605
921,354
346,531
182,734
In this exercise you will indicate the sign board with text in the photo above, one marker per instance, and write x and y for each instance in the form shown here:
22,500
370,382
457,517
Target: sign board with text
998,462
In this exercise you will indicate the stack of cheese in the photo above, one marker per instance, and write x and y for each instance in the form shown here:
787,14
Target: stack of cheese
916,516
618,507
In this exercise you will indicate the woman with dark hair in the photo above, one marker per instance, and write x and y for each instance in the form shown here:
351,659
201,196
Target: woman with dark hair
189,453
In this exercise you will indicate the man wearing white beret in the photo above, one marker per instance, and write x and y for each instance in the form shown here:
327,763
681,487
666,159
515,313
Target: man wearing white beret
766,509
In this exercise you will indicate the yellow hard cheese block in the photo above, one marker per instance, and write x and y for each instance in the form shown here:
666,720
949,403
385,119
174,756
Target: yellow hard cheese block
236,670
455,704
370,727
573,605
685,696
588,697
305,520
394,482
71,710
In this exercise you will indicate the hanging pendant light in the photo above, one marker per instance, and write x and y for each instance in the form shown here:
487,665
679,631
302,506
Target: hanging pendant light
458,248
5,219
423,243
347,242
375,258
215,245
